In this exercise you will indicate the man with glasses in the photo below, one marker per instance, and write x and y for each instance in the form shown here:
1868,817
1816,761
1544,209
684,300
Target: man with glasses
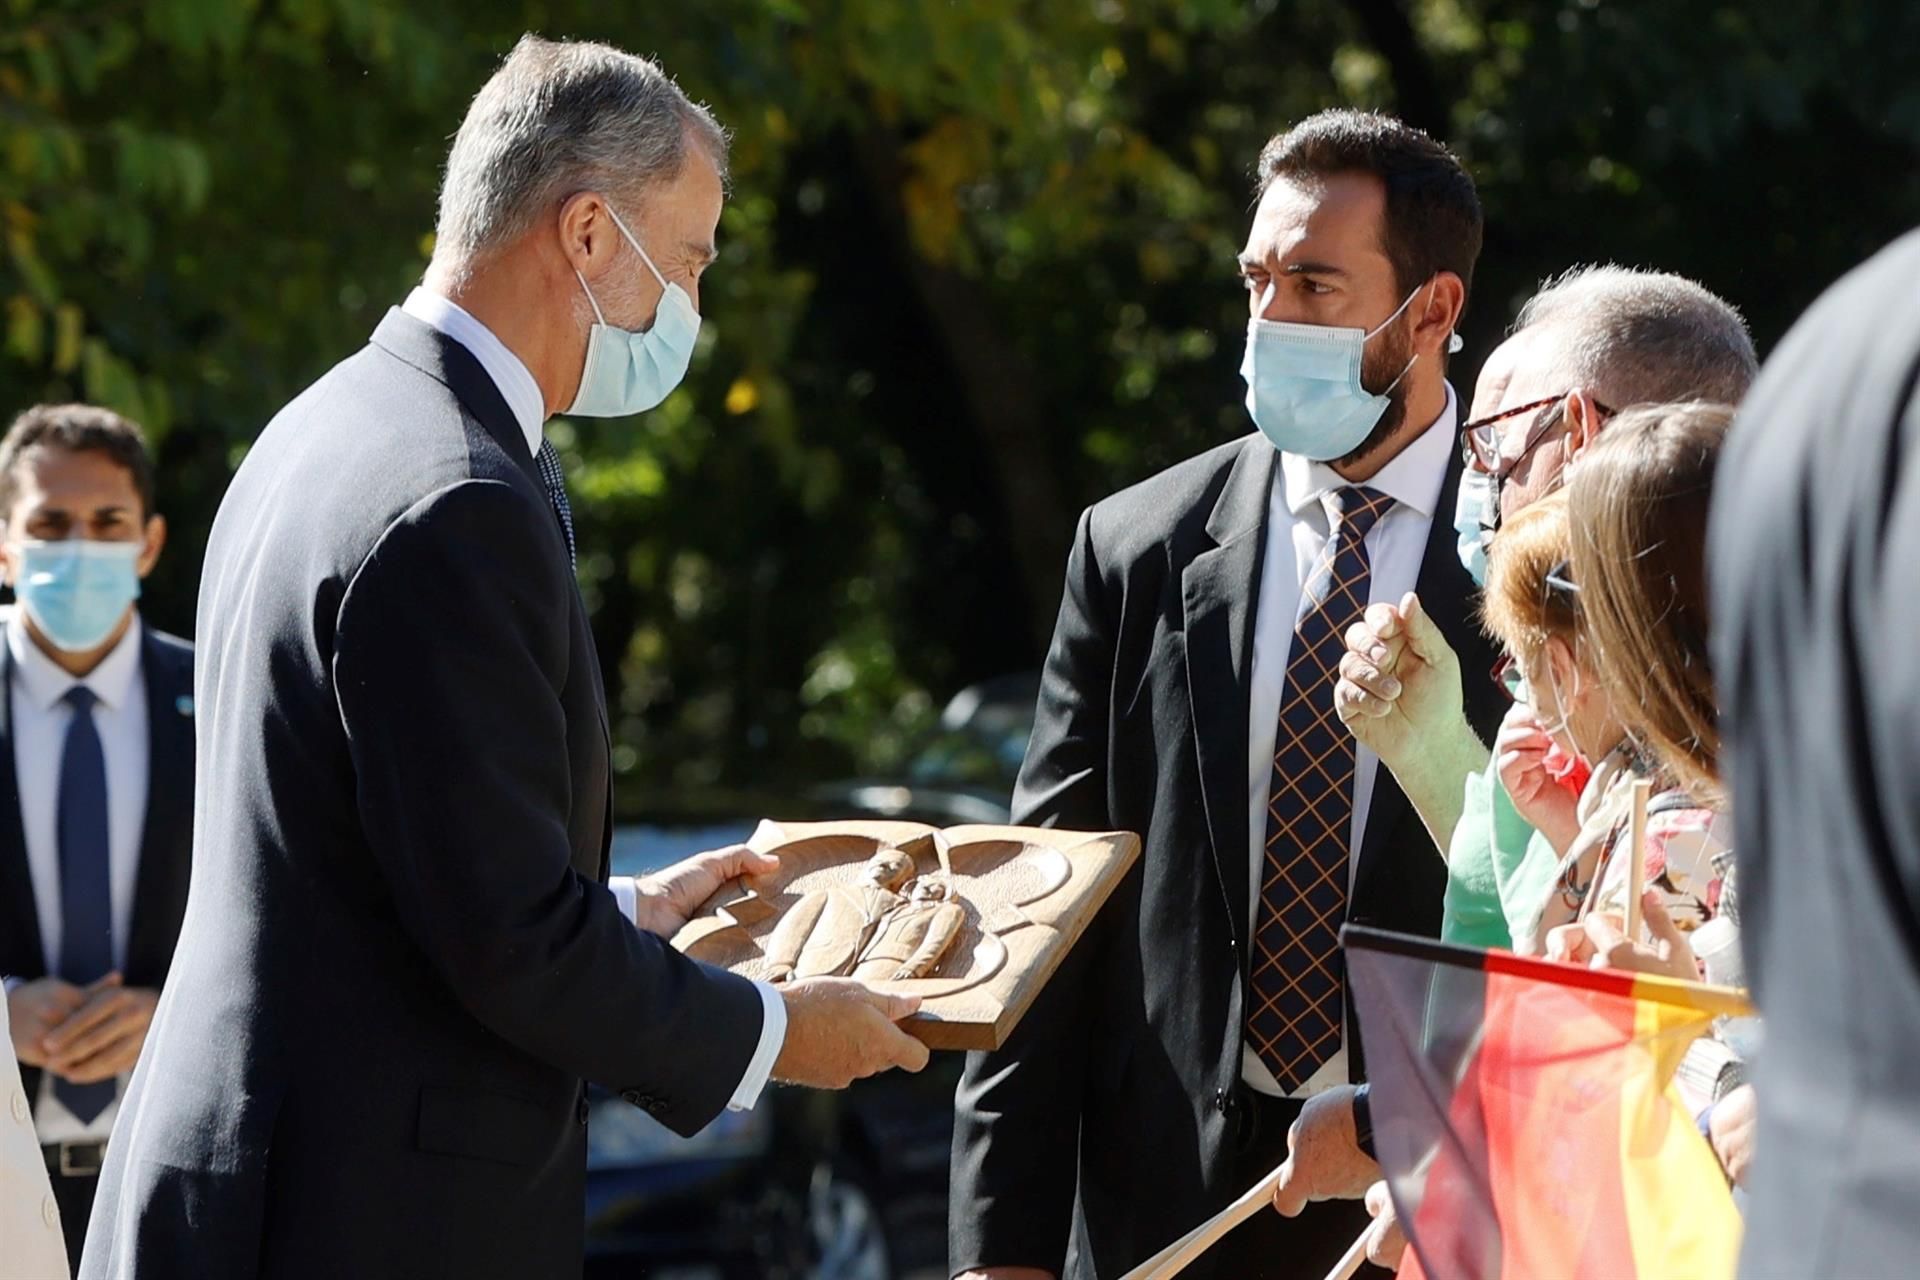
1597,339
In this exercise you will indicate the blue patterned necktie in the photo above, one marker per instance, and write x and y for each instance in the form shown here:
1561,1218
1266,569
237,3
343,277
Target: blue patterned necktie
556,481
1298,1003
86,903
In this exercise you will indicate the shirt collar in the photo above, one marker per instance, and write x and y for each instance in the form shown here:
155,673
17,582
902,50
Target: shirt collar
509,374
1413,479
44,682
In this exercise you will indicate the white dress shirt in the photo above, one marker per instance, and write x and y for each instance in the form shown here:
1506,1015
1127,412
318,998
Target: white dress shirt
1297,532
522,394
40,721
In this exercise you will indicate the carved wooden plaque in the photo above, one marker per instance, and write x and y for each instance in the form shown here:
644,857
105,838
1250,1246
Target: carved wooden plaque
973,919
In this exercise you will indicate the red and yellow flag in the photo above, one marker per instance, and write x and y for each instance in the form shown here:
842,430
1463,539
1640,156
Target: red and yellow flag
1525,1117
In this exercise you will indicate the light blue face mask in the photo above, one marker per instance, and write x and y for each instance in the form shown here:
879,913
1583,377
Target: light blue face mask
1303,384
1472,516
628,373
76,591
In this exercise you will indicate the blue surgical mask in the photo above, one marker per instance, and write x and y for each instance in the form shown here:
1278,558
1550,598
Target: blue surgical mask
1303,385
1473,521
628,373
77,590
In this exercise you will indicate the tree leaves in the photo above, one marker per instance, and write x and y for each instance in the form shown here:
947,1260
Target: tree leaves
977,271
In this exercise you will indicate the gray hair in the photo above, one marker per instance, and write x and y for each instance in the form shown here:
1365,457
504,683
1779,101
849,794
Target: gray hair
557,118
1640,337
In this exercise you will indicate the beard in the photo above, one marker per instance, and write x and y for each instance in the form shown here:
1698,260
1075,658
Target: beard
1379,367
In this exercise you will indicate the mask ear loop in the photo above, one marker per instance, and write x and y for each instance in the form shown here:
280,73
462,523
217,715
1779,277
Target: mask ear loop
1431,285
591,300
637,249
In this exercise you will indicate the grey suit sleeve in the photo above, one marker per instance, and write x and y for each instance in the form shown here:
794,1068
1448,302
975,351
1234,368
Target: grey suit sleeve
450,654
1016,1138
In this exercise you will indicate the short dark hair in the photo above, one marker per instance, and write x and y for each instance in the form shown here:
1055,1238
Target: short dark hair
1433,219
78,428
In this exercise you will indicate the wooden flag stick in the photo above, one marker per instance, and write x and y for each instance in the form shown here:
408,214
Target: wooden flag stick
1350,1260
1176,1257
1637,857
1173,1259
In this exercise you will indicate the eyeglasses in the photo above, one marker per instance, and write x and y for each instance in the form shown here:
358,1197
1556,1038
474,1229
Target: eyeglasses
1480,439
1480,442
1510,679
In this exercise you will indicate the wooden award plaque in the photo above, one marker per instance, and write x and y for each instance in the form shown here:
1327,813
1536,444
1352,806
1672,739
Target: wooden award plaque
973,919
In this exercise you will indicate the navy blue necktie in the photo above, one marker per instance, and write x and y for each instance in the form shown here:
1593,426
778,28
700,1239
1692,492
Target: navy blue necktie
548,460
86,903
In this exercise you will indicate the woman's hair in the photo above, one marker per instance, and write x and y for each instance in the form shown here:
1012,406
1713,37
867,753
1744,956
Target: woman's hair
1520,609
1637,505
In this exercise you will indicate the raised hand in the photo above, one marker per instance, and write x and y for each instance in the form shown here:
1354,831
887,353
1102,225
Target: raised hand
1520,749
1399,681
840,1030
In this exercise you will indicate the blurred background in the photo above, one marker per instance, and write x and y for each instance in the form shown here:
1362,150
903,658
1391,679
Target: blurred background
977,271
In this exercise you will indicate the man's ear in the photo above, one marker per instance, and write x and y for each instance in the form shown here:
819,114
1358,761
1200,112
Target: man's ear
1438,318
1583,420
155,541
588,238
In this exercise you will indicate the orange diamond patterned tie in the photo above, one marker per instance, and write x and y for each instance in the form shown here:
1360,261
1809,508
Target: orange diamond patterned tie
1297,1000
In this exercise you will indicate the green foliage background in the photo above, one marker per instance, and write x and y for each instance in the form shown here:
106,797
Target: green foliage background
976,273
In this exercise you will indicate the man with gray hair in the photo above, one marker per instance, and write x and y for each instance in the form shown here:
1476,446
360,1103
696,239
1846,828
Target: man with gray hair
402,954
1589,343
1593,341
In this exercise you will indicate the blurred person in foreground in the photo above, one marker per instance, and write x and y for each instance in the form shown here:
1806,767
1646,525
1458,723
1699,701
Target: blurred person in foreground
1594,340
96,797
1188,695
1812,555
402,958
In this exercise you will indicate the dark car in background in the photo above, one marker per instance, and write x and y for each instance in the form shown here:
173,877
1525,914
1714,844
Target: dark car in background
808,1185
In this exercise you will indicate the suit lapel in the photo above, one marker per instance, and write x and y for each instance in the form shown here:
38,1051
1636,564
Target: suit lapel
1218,590
17,910
160,883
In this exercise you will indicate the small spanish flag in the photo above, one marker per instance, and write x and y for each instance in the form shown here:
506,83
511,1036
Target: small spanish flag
1525,1117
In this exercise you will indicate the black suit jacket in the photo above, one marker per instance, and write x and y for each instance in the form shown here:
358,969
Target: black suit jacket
166,841
1100,1132
1814,548
399,961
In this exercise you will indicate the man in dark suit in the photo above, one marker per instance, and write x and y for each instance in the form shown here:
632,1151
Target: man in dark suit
1814,539
1188,695
401,956
96,796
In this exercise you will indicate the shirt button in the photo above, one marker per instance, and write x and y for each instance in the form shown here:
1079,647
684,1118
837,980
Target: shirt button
19,1106
50,1212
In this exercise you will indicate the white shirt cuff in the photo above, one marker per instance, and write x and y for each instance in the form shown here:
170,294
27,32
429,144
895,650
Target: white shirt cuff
773,1035
773,1022
626,894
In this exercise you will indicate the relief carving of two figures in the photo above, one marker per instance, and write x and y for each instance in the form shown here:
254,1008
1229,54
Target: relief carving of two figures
889,927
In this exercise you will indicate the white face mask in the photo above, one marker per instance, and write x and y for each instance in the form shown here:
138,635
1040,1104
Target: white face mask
628,373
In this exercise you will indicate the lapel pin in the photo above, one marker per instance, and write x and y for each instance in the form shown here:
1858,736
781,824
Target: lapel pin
184,704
